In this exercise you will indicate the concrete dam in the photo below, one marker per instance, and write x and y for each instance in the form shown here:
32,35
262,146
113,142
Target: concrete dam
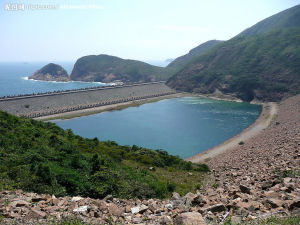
45,104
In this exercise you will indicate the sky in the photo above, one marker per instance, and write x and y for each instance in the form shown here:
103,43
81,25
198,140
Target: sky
64,30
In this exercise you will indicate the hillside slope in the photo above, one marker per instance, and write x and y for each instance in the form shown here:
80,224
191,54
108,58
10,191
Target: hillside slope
105,68
263,66
193,53
44,158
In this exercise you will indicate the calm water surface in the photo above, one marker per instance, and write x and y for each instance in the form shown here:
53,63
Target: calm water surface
183,126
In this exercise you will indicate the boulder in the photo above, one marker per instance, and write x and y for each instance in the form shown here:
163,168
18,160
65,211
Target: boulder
115,210
245,189
274,203
135,209
20,203
81,209
189,218
76,199
165,220
36,214
295,204
217,208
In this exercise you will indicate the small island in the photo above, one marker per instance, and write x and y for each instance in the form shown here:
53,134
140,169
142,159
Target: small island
51,72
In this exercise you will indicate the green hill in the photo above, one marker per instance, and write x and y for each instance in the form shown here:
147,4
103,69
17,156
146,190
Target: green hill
253,65
41,157
105,68
195,52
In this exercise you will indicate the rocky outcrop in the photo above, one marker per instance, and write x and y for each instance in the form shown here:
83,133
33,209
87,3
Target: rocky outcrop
51,72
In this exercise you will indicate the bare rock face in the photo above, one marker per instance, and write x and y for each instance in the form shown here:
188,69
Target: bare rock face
51,72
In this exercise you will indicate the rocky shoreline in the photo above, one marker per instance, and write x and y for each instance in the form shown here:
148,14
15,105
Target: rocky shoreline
255,180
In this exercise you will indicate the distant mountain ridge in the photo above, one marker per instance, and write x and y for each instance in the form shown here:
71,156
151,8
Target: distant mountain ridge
193,53
261,64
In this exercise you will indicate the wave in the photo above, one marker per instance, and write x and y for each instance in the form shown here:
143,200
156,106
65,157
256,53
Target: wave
57,82
197,100
67,82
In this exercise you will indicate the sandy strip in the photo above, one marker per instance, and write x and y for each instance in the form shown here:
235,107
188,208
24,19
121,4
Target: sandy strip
118,106
268,113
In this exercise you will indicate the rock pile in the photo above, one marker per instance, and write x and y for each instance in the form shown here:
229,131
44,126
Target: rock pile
21,207
262,176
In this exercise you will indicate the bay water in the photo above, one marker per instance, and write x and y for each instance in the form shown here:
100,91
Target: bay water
181,126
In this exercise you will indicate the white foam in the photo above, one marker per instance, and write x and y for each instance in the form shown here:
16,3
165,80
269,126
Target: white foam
62,82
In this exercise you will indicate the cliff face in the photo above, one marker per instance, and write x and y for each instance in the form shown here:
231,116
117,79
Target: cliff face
51,72
105,68
261,63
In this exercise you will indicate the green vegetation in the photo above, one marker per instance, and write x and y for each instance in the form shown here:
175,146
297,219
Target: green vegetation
181,61
287,172
241,143
43,158
264,64
105,68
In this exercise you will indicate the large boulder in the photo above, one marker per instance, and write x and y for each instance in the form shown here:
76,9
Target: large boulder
189,218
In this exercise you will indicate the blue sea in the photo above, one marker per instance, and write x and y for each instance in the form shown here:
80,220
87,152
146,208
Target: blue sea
182,126
14,79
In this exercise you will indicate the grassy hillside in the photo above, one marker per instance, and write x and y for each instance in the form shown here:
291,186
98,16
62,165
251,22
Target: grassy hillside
285,19
194,53
43,158
105,68
263,66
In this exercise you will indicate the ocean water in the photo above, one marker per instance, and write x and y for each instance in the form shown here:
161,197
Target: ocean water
182,126
14,79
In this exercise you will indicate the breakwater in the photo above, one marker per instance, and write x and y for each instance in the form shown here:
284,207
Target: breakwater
44,104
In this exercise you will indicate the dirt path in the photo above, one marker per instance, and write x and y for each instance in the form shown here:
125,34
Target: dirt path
269,112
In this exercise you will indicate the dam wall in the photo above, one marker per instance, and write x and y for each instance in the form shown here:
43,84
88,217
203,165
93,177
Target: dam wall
65,101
